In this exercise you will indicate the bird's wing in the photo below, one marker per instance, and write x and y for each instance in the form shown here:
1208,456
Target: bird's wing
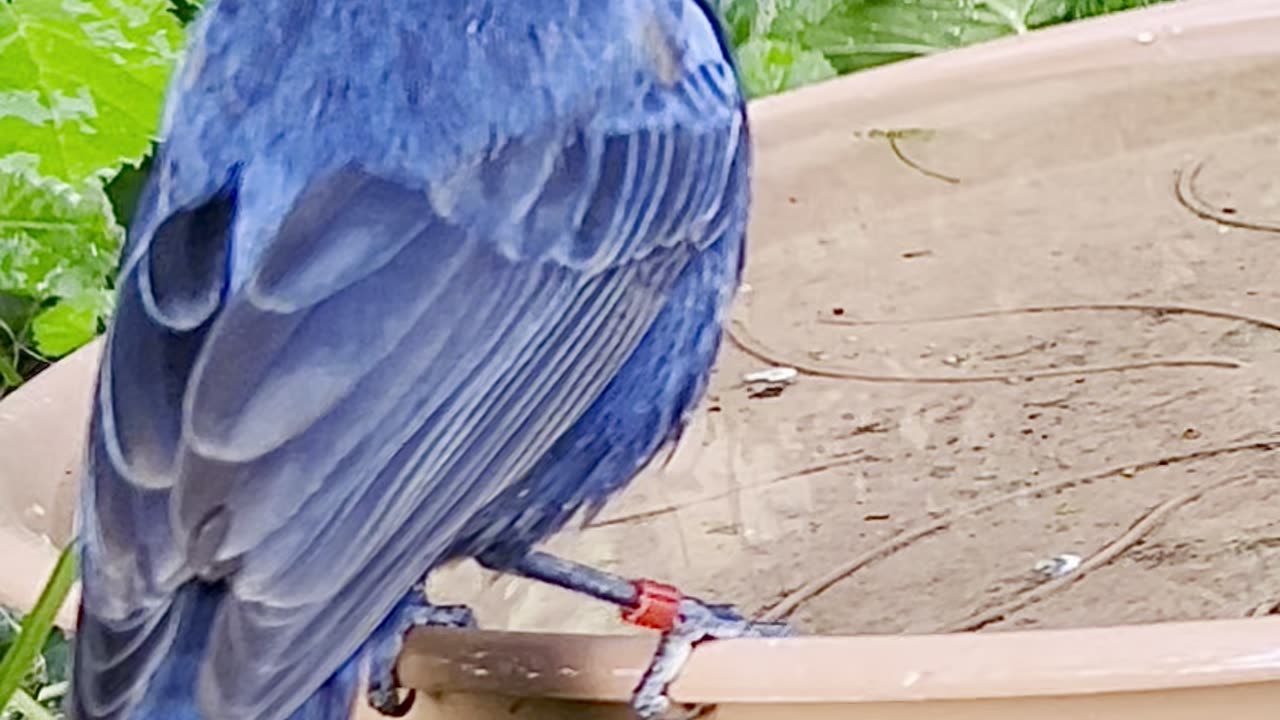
315,437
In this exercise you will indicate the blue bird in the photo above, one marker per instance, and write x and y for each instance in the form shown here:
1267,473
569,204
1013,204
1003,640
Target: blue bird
412,281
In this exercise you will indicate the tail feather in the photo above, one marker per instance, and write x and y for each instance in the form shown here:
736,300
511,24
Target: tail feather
148,670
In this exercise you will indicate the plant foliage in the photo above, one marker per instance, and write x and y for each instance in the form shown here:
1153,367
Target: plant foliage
81,86
783,44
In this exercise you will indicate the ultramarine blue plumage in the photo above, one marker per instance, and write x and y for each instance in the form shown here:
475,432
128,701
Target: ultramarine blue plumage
413,280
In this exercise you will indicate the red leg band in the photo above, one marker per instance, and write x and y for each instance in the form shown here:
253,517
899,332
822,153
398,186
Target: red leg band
657,606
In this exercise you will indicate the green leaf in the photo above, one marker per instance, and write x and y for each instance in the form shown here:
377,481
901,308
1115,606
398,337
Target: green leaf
69,323
36,626
58,246
779,41
769,66
862,34
82,81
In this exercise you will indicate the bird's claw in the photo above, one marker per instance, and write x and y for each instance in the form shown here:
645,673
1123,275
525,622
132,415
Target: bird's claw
388,701
696,622
413,612
454,616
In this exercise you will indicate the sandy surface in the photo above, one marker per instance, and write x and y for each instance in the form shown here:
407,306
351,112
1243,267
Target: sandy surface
1116,403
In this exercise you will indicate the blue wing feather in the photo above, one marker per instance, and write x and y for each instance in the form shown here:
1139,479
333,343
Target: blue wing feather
378,330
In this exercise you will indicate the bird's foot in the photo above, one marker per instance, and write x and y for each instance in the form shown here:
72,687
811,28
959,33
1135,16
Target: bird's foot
414,611
684,622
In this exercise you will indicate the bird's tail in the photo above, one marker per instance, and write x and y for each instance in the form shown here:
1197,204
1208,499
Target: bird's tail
109,660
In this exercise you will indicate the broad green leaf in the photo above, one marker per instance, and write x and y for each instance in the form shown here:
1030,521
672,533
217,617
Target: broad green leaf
862,34
779,37
82,81
69,323
770,66
58,246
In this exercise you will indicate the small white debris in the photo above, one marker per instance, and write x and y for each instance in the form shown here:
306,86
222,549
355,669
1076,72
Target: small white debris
772,376
1146,37
53,692
1058,565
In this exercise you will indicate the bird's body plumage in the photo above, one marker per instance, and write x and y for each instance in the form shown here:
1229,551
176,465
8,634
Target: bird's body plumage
413,280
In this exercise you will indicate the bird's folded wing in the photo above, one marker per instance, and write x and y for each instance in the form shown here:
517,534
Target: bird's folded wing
316,435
